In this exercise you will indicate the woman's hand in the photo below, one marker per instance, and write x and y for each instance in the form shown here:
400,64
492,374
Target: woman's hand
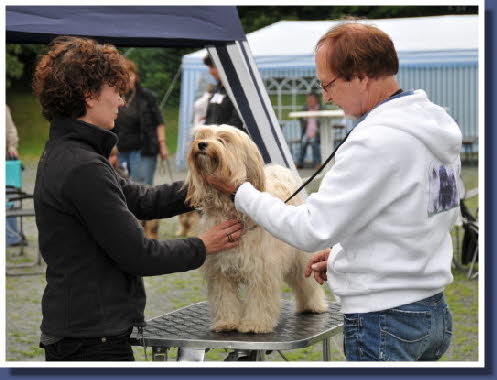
163,150
222,236
225,188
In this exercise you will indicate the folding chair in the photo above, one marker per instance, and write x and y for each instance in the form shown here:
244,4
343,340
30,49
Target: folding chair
14,197
469,249
466,252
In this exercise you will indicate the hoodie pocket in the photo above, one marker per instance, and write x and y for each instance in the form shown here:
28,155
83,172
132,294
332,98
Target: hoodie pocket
348,283
342,282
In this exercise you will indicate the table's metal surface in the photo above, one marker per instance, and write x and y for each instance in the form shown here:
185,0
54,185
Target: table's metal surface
189,327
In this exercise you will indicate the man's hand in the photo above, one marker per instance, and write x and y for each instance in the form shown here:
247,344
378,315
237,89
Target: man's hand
225,188
317,265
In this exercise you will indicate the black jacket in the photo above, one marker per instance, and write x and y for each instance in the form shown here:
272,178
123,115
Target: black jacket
89,237
145,104
220,110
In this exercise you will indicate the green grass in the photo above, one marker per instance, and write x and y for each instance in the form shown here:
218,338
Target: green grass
33,128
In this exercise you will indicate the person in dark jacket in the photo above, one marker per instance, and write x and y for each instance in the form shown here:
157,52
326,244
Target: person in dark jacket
86,214
220,109
140,128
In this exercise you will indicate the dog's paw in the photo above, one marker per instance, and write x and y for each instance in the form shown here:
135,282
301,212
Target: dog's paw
256,328
224,326
315,308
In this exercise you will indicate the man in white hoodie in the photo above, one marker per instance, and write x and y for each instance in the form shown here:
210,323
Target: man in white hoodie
386,206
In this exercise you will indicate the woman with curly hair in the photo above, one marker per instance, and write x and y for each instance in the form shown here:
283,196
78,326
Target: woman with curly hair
86,214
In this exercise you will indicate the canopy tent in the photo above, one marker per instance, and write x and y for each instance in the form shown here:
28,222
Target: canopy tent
216,28
438,54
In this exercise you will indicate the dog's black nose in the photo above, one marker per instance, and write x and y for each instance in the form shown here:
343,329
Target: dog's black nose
202,145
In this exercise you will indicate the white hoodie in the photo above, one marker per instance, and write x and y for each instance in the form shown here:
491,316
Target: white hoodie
390,200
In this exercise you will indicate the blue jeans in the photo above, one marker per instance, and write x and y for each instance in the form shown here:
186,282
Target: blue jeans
132,161
12,232
418,331
148,163
316,149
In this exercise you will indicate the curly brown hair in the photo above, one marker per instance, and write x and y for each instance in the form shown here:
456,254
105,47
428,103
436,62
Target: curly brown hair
359,50
74,69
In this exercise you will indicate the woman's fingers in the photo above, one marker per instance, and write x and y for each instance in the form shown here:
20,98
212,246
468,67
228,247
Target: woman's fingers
234,228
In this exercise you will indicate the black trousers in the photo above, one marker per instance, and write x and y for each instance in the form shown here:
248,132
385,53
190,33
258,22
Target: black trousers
117,348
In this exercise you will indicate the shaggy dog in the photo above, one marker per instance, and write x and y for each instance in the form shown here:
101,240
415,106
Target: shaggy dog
244,283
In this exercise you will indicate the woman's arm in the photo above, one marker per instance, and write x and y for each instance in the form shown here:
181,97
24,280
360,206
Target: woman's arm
161,138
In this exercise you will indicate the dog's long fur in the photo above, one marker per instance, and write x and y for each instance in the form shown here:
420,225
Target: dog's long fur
244,284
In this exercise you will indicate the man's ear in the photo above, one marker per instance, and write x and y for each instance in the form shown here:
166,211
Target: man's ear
365,82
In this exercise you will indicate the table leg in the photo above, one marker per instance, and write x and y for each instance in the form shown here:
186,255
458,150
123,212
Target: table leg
191,354
159,354
326,350
260,356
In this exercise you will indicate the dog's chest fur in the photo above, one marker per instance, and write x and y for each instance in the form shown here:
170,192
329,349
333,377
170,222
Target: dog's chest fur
247,257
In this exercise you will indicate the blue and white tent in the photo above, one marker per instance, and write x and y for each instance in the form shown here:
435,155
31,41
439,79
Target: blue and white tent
438,54
217,28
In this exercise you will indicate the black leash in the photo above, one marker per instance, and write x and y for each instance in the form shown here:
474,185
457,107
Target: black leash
399,91
311,178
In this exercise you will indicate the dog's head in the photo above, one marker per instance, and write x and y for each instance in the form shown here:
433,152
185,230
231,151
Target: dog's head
225,152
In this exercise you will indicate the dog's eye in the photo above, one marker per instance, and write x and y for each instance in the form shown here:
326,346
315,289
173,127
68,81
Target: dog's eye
221,141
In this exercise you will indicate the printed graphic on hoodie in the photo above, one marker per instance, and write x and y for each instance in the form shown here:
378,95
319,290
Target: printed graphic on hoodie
443,193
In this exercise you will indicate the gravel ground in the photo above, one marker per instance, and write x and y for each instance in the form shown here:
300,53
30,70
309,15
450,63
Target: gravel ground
169,292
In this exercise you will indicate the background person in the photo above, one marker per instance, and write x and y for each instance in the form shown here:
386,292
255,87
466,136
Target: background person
11,136
200,105
394,257
140,128
114,162
220,109
86,214
310,132
13,234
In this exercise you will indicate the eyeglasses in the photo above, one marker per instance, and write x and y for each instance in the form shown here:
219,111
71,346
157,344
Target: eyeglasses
324,87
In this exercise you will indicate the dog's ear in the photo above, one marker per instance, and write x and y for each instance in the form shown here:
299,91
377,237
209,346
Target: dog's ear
191,181
254,165
190,194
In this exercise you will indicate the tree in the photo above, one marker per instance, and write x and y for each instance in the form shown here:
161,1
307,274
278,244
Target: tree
157,68
13,65
254,18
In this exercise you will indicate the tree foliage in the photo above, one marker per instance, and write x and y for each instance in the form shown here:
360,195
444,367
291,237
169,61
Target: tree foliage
157,68
14,66
254,18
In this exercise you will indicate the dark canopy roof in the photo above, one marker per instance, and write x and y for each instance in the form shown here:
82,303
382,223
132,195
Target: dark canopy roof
126,26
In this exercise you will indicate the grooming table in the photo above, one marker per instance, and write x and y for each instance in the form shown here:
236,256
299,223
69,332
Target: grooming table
188,327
